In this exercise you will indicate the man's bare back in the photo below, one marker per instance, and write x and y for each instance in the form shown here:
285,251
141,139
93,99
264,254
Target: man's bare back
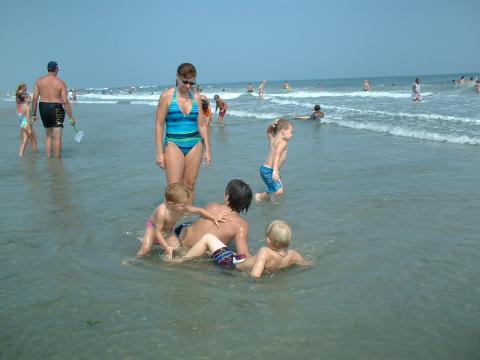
234,228
51,89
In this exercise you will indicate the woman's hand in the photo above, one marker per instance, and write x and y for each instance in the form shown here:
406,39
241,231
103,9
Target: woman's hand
160,160
206,158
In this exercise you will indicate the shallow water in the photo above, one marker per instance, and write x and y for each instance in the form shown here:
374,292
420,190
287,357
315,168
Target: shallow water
390,221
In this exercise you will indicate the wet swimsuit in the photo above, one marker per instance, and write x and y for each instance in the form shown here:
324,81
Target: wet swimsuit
226,257
182,130
267,176
149,224
52,114
22,121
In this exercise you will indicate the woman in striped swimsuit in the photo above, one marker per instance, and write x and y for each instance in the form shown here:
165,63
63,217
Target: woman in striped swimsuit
180,133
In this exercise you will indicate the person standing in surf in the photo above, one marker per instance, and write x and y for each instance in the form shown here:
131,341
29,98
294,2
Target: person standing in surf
181,135
416,97
27,132
53,104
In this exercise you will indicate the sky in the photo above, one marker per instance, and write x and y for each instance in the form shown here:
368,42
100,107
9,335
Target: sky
110,43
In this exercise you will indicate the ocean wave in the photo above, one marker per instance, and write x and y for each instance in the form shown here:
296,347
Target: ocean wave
317,94
241,113
223,95
400,131
151,103
425,116
96,102
117,97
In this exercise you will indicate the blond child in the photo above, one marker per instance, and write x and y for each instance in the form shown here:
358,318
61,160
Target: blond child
159,228
279,134
222,105
27,132
272,257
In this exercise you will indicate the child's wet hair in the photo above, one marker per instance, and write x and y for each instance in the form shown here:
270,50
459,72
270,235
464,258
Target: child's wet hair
281,124
317,108
239,195
176,193
279,233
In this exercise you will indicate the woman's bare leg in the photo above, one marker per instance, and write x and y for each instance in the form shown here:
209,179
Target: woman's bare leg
192,166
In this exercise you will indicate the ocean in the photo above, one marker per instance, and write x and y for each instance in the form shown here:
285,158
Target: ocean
382,195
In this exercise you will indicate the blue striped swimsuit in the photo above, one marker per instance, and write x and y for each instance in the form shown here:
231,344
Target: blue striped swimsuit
182,130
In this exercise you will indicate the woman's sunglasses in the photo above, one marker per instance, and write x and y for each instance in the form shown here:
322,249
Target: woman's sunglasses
191,83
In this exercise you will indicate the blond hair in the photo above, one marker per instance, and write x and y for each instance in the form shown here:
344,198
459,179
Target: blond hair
279,233
176,193
281,124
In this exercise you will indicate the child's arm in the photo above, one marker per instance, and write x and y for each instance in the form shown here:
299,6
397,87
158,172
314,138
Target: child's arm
206,214
241,240
276,160
260,262
299,260
271,130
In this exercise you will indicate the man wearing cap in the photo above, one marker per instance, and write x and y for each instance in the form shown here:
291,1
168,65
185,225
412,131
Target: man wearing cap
52,106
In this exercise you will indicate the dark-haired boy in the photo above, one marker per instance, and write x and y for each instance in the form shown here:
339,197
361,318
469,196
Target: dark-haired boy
237,199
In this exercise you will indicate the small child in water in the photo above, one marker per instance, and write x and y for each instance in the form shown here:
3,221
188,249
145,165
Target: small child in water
279,134
222,105
159,228
272,257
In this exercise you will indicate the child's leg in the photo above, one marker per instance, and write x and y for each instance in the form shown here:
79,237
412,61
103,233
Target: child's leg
262,196
207,242
148,241
23,144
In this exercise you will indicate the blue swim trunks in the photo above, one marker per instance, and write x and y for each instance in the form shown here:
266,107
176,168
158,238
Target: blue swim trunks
226,257
272,186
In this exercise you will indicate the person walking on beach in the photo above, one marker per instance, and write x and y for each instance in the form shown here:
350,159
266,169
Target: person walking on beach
181,135
416,97
237,199
53,104
222,105
261,89
27,132
279,133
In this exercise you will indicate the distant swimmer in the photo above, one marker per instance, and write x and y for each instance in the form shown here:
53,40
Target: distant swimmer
286,86
222,105
416,97
366,85
249,88
316,115
461,81
54,103
477,86
261,89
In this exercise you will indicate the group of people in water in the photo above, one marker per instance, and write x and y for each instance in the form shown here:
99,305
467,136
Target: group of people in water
182,144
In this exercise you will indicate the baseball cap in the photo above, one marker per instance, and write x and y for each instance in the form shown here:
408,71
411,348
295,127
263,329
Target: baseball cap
52,65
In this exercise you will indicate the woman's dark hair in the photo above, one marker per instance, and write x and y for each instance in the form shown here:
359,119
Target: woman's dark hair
239,195
187,70
317,108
